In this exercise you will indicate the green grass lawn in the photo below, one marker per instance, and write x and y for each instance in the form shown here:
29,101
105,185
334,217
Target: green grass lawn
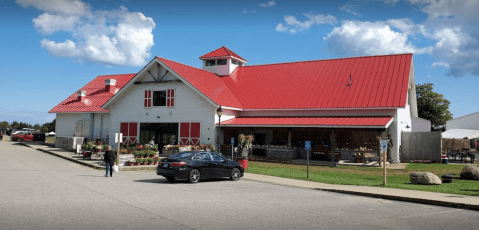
369,176
50,140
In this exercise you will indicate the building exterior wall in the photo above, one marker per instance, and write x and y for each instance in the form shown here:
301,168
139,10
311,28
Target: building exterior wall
189,107
101,125
470,121
65,123
420,125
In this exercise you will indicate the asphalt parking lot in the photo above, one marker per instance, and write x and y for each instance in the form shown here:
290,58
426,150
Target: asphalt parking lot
45,192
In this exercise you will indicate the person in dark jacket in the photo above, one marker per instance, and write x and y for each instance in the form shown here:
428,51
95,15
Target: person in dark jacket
109,161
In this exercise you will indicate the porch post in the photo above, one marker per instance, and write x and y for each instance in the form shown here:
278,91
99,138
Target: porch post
289,137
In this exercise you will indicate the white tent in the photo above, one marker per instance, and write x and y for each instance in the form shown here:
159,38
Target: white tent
51,134
460,134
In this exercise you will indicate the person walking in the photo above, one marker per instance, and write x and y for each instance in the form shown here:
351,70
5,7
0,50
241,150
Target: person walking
109,161
1,135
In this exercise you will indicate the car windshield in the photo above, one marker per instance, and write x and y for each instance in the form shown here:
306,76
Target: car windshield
182,155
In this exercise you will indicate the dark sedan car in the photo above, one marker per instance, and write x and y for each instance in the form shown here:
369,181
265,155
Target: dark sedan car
194,166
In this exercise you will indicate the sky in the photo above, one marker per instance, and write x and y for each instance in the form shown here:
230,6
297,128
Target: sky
51,48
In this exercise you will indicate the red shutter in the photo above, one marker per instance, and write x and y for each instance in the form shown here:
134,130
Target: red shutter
124,128
133,129
149,98
147,101
184,133
170,98
195,133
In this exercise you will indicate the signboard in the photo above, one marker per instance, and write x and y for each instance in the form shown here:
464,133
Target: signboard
307,145
232,141
384,145
118,137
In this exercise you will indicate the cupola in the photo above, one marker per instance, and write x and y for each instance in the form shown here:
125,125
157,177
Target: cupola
222,61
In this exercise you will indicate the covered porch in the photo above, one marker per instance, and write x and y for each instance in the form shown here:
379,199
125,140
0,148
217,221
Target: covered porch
352,139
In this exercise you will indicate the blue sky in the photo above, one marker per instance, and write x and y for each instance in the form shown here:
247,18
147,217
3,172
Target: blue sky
52,48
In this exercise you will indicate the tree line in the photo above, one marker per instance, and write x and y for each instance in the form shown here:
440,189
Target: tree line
47,127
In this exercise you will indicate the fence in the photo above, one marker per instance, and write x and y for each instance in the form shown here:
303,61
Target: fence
420,146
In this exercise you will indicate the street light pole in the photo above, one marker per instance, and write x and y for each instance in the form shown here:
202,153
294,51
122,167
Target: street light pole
219,111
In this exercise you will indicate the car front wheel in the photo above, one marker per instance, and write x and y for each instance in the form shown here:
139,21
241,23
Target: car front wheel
19,139
194,176
235,174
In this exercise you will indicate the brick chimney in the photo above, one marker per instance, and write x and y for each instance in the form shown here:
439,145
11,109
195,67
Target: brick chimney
110,85
81,95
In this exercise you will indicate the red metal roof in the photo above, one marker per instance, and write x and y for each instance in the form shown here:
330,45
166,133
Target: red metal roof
380,122
96,95
377,82
221,52
206,82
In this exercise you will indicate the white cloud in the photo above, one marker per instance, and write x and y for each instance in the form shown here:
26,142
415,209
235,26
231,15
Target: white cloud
349,9
114,37
450,26
49,24
245,11
369,38
267,5
439,64
65,49
281,28
68,7
294,25
454,29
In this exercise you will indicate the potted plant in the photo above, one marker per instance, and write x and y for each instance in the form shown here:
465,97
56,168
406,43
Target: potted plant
123,150
144,161
152,153
244,147
138,161
157,160
151,161
131,162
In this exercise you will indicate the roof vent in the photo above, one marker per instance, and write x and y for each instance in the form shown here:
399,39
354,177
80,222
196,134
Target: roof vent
110,85
81,95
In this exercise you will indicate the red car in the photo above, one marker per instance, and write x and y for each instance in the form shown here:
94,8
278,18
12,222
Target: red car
23,137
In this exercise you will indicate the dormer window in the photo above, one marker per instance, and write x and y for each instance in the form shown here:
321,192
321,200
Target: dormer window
221,62
210,62
234,62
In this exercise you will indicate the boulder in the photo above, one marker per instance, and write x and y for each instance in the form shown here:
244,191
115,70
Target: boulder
424,178
470,173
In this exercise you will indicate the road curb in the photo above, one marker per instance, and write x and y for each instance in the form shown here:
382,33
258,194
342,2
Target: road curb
382,196
70,159
122,168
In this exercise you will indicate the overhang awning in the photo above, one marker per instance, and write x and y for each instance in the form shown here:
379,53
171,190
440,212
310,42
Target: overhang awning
460,134
320,122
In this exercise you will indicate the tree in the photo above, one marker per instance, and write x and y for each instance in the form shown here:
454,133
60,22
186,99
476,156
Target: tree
5,125
432,106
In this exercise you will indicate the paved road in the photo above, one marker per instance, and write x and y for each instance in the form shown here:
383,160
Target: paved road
40,191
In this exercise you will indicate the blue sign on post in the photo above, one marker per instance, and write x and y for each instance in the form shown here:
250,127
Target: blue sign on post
307,145
232,141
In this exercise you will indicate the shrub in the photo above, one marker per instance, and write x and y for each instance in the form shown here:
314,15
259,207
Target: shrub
151,160
138,160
